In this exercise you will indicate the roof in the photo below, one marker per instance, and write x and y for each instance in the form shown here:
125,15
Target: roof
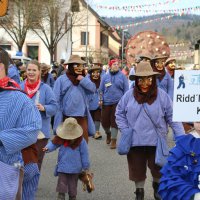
101,21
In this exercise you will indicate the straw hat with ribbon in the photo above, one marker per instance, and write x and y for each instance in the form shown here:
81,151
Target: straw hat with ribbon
69,129
75,59
143,69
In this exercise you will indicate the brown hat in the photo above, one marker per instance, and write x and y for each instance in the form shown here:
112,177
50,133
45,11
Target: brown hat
93,67
44,66
169,59
75,59
160,56
143,69
69,129
97,61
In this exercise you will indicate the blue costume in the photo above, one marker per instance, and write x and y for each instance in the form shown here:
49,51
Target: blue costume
180,176
19,126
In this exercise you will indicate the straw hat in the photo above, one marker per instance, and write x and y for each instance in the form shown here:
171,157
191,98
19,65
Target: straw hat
143,69
75,59
69,129
40,135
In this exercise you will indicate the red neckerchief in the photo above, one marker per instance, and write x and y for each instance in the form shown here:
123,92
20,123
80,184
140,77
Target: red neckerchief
67,143
31,88
7,83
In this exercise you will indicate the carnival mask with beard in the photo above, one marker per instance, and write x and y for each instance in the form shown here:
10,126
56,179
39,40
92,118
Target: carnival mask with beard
95,74
158,66
145,90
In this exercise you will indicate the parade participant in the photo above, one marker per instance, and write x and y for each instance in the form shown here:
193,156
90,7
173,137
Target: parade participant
142,114
181,175
73,157
170,65
46,77
95,109
71,91
44,99
31,170
126,71
112,87
97,62
19,126
13,72
164,80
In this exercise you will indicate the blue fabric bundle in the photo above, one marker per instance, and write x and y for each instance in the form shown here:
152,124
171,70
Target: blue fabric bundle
180,175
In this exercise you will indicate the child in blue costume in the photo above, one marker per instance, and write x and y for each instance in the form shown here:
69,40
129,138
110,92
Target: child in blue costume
73,157
180,176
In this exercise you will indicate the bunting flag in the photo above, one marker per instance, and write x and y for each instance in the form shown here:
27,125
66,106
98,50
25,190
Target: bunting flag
118,27
134,7
190,9
182,44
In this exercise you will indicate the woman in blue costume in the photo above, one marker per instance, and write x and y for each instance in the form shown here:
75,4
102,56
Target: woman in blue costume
180,176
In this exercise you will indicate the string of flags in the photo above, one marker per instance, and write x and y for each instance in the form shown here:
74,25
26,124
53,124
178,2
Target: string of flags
191,9
178,44
133,7
118,27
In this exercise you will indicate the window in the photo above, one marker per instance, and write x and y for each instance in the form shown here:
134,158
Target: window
5,46
32,51
104,40
83,38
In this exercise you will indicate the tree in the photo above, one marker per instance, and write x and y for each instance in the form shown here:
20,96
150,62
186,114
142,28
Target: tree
19,19
55,22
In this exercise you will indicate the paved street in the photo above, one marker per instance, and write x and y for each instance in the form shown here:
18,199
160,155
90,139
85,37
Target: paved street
110,176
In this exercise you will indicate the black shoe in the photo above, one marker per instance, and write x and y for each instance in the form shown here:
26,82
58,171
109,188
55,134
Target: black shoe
155,187
139,194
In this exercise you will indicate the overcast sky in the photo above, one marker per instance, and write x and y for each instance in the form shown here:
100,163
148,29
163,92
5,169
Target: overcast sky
177,4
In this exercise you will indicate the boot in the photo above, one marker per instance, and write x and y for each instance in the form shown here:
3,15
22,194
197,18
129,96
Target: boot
155,187
139,194
72,198
108,138
97,135
61,196
113,143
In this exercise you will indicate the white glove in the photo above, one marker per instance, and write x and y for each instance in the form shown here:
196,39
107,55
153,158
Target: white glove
197,196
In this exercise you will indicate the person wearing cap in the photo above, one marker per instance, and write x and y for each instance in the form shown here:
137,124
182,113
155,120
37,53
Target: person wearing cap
112,87
164,80
46,76
94,73
73,157
19,126
181,175
44,99
71,90
138,113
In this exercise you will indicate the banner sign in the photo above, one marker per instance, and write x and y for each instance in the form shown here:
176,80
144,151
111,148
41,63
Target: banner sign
186,101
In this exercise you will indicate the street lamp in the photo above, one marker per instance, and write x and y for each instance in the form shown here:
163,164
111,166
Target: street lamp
124,30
